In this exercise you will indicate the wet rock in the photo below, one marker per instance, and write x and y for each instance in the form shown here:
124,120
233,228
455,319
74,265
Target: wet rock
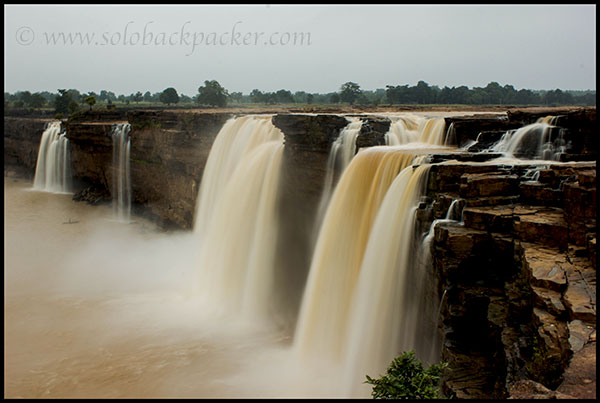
467,128
22,138
447,177
313,133
591,246
93,195
459,240
548,300
372,131
579,334
545,226
538,194
492,219
543,267
580,296
580,211
485,140
551,351
488,184
462,157
442,203
580,377
91,152
587,178
491,201
528,389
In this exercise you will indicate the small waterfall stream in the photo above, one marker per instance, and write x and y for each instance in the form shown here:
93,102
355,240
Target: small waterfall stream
534,141
341,153
121,192
53,167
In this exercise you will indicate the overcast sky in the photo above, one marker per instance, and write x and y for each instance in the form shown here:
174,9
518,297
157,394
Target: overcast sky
129,48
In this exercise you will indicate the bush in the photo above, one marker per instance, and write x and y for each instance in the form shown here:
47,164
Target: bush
407,379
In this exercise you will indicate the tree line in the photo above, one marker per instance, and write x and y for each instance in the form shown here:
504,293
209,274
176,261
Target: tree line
212,94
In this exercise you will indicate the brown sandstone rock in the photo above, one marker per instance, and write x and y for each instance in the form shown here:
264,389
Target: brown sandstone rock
580,296
545,226
492,219
580,377
488,184
579,334
528,389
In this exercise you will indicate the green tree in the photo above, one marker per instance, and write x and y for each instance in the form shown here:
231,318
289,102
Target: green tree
212,93
90,100
284,97
407,379
63,102
300,97
236,97
137,97
37,100
423,94
24,96
257,96
169,96
350,92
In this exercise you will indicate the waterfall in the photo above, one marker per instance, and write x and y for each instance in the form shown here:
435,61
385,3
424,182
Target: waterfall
533,141
384,311
53,167
236,217
121,181
368,295
342,151
340,248
450,135
416,129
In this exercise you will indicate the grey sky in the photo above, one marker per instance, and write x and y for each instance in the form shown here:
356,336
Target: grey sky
536,47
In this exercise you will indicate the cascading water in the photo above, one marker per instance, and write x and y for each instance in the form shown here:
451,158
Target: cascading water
416,129
53,167
403,130
121,177
362,304
534,141
236,215
450,135
385,306
341,153
340,249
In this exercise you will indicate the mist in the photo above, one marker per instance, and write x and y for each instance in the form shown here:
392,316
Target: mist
98,308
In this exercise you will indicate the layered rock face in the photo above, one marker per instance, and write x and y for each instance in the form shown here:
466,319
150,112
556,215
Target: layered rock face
22,142
519,278
307,140
577,127
168,153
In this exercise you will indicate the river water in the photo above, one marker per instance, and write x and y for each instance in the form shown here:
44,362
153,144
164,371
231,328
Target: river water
97,308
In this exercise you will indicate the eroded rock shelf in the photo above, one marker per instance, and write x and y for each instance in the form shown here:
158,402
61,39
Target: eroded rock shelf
518,273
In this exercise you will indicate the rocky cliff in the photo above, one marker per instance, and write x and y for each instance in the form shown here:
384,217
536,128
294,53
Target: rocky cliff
517,276
22,142
168,153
